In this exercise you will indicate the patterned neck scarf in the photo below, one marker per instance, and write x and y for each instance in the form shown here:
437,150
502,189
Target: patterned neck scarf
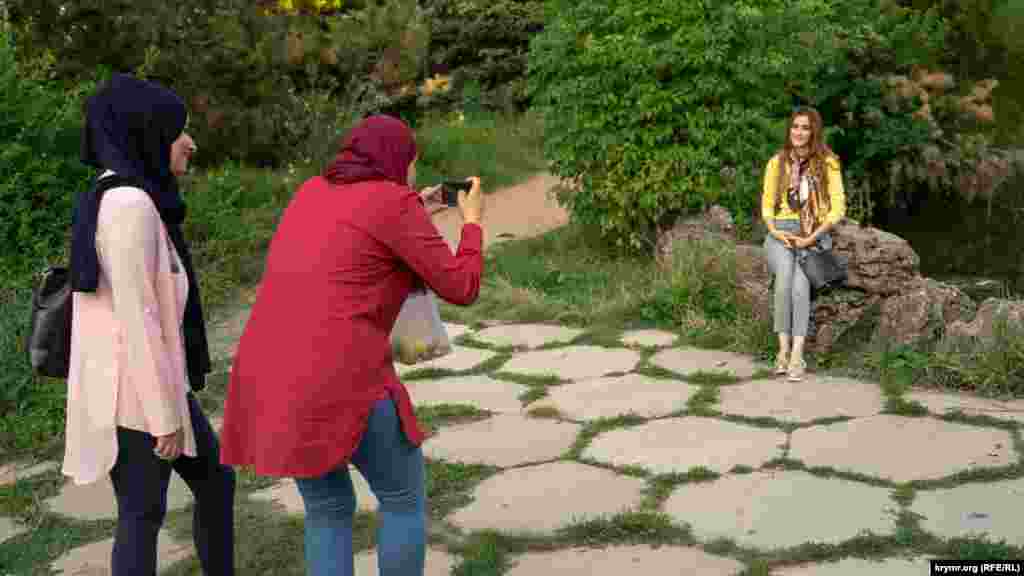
802,194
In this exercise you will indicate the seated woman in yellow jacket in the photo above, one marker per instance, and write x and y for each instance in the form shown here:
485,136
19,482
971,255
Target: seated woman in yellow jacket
803,200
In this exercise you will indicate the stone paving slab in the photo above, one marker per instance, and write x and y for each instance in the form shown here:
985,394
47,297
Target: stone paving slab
619,560
616,396
940,403
902,449
96,501
456,330
461,358
675,445
780,509
484,392
9,528
802,401
14,471
574,362
286,494
526,335
649,338
541,499
994,508
861,566
94,559
504,440
438,563
687,361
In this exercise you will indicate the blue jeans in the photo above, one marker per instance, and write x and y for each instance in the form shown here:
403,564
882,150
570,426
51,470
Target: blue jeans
395,471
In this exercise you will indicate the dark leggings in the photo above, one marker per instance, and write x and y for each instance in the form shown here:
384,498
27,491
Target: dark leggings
140,481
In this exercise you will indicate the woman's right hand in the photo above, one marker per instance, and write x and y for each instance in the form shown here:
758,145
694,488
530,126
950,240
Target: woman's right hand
170,446
785,238
472,203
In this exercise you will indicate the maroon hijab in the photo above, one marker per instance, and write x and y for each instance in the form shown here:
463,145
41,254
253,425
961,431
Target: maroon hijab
378,148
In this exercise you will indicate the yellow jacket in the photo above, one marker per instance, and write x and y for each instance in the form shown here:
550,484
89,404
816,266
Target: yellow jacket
836,194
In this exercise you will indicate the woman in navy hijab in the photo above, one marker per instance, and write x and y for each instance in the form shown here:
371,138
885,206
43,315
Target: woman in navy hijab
138,341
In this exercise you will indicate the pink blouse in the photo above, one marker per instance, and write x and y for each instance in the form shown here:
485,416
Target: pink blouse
127,363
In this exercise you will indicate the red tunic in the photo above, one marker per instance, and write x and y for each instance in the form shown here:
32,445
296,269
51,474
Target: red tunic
316,353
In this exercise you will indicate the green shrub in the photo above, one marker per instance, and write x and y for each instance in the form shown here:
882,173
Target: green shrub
660,108
501,149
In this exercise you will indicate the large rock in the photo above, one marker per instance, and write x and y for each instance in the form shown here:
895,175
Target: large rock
982,329
878,262
922,311
843,313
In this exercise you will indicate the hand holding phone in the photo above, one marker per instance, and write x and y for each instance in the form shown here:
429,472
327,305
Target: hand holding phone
450,191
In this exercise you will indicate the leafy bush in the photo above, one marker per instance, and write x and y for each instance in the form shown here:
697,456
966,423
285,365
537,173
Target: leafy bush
659,108
40,173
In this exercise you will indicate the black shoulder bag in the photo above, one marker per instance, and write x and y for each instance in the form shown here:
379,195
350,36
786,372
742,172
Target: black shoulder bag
49,331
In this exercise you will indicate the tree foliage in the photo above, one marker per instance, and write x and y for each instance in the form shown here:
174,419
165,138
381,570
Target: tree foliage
657,108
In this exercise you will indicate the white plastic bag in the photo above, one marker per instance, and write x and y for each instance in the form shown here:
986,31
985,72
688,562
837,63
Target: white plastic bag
418,334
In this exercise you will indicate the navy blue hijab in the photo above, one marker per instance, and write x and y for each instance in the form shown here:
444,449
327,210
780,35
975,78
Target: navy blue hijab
129,128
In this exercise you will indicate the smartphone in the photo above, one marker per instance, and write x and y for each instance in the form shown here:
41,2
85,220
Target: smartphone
450,190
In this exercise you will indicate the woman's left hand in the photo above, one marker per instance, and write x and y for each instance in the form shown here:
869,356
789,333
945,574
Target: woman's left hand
432,199
804,242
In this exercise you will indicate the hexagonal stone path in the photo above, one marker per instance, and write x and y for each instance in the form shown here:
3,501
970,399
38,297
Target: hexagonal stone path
942,403
687,361
94,559
860,566
482,392
649,338
460,359
526,335
675,445
438,563
96,501
802,401
286,494
618,560
573,362
902,449
770,510
9,528
995,508
616,396
541,499
504,440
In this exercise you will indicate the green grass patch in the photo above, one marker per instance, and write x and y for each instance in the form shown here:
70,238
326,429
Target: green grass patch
592,429
703,401
432,418
712,378
502,150
904,495
50,537
903,407
660,487
24,498
449,484
484,553
626,528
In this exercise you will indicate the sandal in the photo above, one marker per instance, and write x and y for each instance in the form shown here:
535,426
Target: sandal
781,364
796,370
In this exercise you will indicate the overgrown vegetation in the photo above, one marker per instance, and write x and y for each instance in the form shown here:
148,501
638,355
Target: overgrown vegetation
659,108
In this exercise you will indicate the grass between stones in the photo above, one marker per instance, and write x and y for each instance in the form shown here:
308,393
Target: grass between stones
31,554
432,418
712,378
660,487
24,499
595,427
449,485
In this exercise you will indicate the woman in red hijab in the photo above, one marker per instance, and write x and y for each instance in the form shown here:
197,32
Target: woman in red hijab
313,387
